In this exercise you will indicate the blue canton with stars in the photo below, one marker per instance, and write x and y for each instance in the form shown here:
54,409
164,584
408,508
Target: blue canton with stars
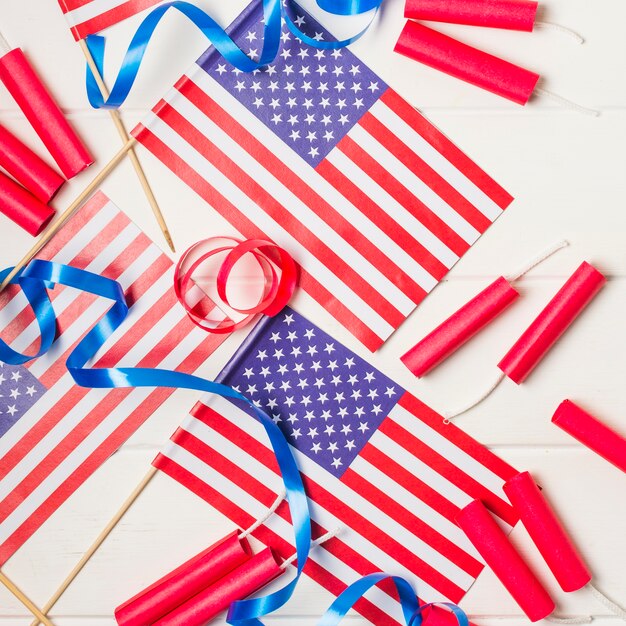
327,400
19,390
309,97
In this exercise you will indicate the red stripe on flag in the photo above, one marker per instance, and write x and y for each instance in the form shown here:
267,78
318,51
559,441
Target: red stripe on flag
381,217
248,229
403,196
412,523
74,225
227,468
424,172
446,468
254,190
410,482
70,5
443,145
111,17
340,509
100,242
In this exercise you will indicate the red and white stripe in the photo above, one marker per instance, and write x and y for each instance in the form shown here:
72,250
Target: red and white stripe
71,430
375,226
395,504
87,17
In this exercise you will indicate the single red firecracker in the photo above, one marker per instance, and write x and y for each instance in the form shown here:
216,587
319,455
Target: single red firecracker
592,433
460,327
22,207
472,65
552,322
27,168
547,533
498,552
506,14
43,113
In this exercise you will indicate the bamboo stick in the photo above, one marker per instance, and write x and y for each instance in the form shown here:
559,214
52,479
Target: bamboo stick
123,133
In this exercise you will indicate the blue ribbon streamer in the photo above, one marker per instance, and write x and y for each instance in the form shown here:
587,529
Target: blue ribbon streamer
409,603
41,274
223,43
204,22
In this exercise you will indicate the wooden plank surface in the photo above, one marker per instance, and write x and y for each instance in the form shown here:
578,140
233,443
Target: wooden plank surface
567,173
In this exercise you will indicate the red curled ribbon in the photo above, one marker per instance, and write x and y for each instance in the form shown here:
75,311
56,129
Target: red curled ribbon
279,275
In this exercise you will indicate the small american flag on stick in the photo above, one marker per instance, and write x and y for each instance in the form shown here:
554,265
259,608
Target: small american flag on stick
54,434
375,461
318,154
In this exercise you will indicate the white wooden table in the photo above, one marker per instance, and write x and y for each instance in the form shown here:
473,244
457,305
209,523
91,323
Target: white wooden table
567,173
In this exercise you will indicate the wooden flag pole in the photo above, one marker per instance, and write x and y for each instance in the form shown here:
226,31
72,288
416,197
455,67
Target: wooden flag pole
25,600
57,225
123,133
106,531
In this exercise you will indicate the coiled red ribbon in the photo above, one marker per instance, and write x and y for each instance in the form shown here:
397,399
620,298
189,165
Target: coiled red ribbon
278,273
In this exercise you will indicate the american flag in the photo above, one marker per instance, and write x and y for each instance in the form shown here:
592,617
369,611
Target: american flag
318,154
375,461
54,434
87,17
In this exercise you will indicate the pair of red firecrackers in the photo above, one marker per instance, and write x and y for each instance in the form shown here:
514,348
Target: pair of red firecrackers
548,535
460,60
200,589
26,201
533,344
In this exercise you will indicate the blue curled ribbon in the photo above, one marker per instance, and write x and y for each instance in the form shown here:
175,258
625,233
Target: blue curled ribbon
409,602
41,274
222,42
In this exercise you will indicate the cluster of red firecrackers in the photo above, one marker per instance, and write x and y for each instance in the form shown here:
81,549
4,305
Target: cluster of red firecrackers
542,525
204,586
457,59
25,197
528,350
